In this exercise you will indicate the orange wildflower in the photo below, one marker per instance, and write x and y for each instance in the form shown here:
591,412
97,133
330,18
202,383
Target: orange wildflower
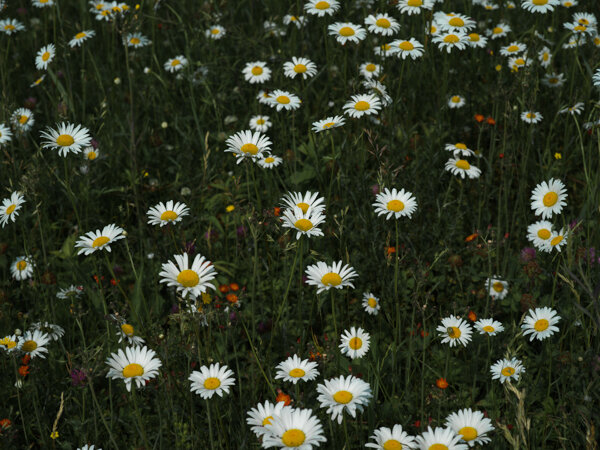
232,298
24,371
479,117
234,286
283,397
472,316
224,289
471,237
491,121
441,383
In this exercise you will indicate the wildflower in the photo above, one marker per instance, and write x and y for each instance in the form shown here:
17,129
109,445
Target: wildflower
189,280
284,100
81,37
461,167
66,138
22,119
162,214
539,6
454,331
212,380
45,56
321,8
471,426
411,7
371,303
175,64
441,383
442,438
246,144
540,323
294,428
260,123
548,198
299,66
33,343
505,370
306,201
326,276
294,369
22,268
456,101
497,288
382,24
490,327
256,72
10,208
355,343
262,415
328,123
215,32
304,223
344,393
395,203
389,439
99,240
135,363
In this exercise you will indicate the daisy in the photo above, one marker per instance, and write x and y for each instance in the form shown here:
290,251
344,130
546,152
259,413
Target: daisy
137,40
461,167
579,29
93,241
548,198
42,3
66,138
299,66
545,57
455,331
81,37
451,39
5,134
349,393
328,123
347,32
262,415
90,153
383,50
256,72
135,363
505,369
22,119
272,29
321,8
540,234
369,70
386,439
294,428
382,24
269,161
355,343
33,343
10,26
260,123
362,104
471,426
411,7
9,343
577,108
305,201
490,327
22,268
395,203
539,6
284,100
379,90
212,380
38,81
326,276
10,207
299,21
192,281
175,64
497,288
568,3
371,303
405,48
442,438
583,18
215,32
70,292
455,22
304,223
162,214
89,447
54,332
294,369
499,31
44,56
456,101
531,117
558,239
264,97
475,40
245,144
540,323
514,48
553,79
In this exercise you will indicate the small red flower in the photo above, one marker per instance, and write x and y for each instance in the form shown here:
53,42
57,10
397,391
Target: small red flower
441,383
479,118
472,316
283,397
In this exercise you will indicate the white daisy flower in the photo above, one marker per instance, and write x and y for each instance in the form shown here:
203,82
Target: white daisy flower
256,72
411,7
22,268
136,40
471,426
10,208
269,161
42,3
99,240
497,288
246,144
299,21
514,48
584,18
476,40
44,56
456,101
215,32
383,50
326,276
5,134
355,343
548,198
391,439
371,303
382,24
321,8
345,32
176,64
294,428
91,153
440,438
33,343
576,109
454,331
294,369
459,149
449,40
362,104
260,123
379,90
284,100
540,323
309,200
22,119
69,293
162,214
304,223
540,234
212,380
54,332
554,79
9,343
262,415
66,138
344,393
369,70
558,239
454,22
299,66
395,203
499,31
328,123
38,81
531,117
539,6
505,370
81,37
462,168
490,327
545,57
189,281
135,363
10,26
126,332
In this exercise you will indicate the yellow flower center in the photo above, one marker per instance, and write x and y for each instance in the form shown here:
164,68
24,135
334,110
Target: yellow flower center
414,3
303,206
371,67
454,332
474,37
10,209
438,447
269,160
346,31
406,46
355,343
45,56
583,21
188,278
215,31
372,302
127,329
64,140
541,325
100,241
512,48
168,216
322,5
303,224
456,22
9,27
383,23
520,62
392,444
456,99
550,199
92,155
556,240
133,370
257,70
10,344
267,420
21,265
498,30
29,346
468,433
212,383
460,145
362,106
488,328
80,35
331,279
293,437
260,122
539,2
134,41
545,56
343,397
567,4
297,373
23,119
498,287
283,99
249,148
175,62
328,125
451,39
507,371
544,234
580,28
385,47
395,205
300,68
462,164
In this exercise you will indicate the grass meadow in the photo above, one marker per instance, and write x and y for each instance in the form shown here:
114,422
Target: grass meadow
462,185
